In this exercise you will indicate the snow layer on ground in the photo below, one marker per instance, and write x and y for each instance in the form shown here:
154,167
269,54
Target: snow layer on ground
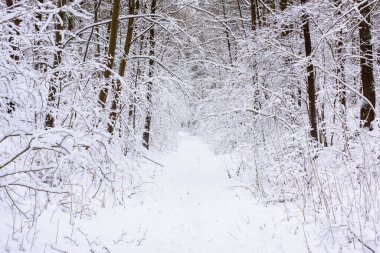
192,207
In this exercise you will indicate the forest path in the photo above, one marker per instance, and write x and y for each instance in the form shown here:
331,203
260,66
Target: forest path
193,209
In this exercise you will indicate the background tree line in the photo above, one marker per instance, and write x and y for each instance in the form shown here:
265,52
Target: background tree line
287,87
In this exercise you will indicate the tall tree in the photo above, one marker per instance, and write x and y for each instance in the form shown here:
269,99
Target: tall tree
310,75
142,45
123,64
54,83
366,63
340,58
227,33
41,63
285,29
241,16
253,10
148,118
111,51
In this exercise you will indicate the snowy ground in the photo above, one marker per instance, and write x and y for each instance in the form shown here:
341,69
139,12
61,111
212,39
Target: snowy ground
192,208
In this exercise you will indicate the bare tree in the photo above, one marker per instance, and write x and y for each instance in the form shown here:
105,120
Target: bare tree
310,75
148,118
253,14
367,115
123,63
54,83
111,51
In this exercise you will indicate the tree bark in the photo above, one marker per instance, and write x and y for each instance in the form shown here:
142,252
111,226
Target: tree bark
123,64
367,115
227,33
285,29
93,29
266,8
253,14
241,17
41,64
340,59
148,118
310,76
53,88
133,99
111,51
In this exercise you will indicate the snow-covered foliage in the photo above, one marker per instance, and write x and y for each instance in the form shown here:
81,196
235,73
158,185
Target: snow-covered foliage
89,88
255,107
52,64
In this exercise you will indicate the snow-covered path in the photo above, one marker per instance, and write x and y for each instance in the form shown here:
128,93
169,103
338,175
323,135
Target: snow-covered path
195,210
191,208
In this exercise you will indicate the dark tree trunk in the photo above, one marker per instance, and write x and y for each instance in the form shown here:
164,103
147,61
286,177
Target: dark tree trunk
285,29
123,64
93,29
148,118
54,85
253,14
134,99
241,16
367,115
39,17
97,30
340,59
41,64
111,51
70,19
310,76
227,33
269,8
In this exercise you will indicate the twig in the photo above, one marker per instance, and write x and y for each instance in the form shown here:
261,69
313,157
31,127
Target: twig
121,237
56,249
159,164
361,241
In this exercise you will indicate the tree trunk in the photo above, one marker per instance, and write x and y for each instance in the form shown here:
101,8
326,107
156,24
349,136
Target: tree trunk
93,29
123,64
70,19
241,17
53,88
285,29
253,14
340,59
366,64
111,51
310,76
41,64
227,34
269,9
148,118
134,99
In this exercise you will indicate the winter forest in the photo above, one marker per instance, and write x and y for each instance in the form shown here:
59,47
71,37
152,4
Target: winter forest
207,126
